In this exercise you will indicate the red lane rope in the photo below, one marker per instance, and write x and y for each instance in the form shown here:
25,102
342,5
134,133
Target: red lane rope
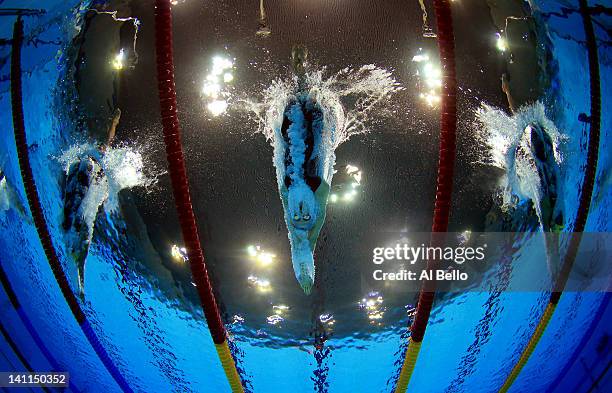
28,178
176,166
37,211
446,162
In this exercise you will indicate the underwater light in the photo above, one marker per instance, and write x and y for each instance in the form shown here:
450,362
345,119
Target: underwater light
220,64
501,44
252,250
211,90
217,107
432,78
333,198
178,253
118,60
265,258
219,75
433,75
260,256
431,98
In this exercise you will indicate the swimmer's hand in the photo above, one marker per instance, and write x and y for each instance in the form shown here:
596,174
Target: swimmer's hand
505,84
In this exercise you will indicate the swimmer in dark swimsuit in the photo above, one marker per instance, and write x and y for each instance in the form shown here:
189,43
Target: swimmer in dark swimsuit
306,182
536,150
79,180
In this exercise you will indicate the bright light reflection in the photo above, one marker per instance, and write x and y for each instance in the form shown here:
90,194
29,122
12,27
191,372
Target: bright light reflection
355,173
252,250
275,319
280,309
431,98
261,284
119,60
348,191
214,85
179,254
212,90
419,58
220,64
501,44
464,236
217,107
259,255
432,78
327,319
372,305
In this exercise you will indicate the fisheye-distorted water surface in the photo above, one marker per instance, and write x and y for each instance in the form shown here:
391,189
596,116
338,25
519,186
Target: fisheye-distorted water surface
377,82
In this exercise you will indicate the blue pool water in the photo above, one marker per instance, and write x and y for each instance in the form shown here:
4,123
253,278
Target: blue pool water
162,345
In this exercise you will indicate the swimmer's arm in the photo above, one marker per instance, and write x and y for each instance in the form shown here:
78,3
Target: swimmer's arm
506,89
112,130
321,195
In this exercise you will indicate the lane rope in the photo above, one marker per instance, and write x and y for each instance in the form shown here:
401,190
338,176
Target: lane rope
180,189
446,165
37,211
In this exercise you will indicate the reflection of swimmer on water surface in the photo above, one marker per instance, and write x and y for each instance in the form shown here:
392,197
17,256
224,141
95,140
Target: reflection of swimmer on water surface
85,190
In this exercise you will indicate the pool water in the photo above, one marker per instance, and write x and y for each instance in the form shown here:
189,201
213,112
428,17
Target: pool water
140,299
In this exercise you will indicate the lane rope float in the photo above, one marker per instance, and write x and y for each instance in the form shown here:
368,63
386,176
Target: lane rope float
37,211
446,165
180,189
584,202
